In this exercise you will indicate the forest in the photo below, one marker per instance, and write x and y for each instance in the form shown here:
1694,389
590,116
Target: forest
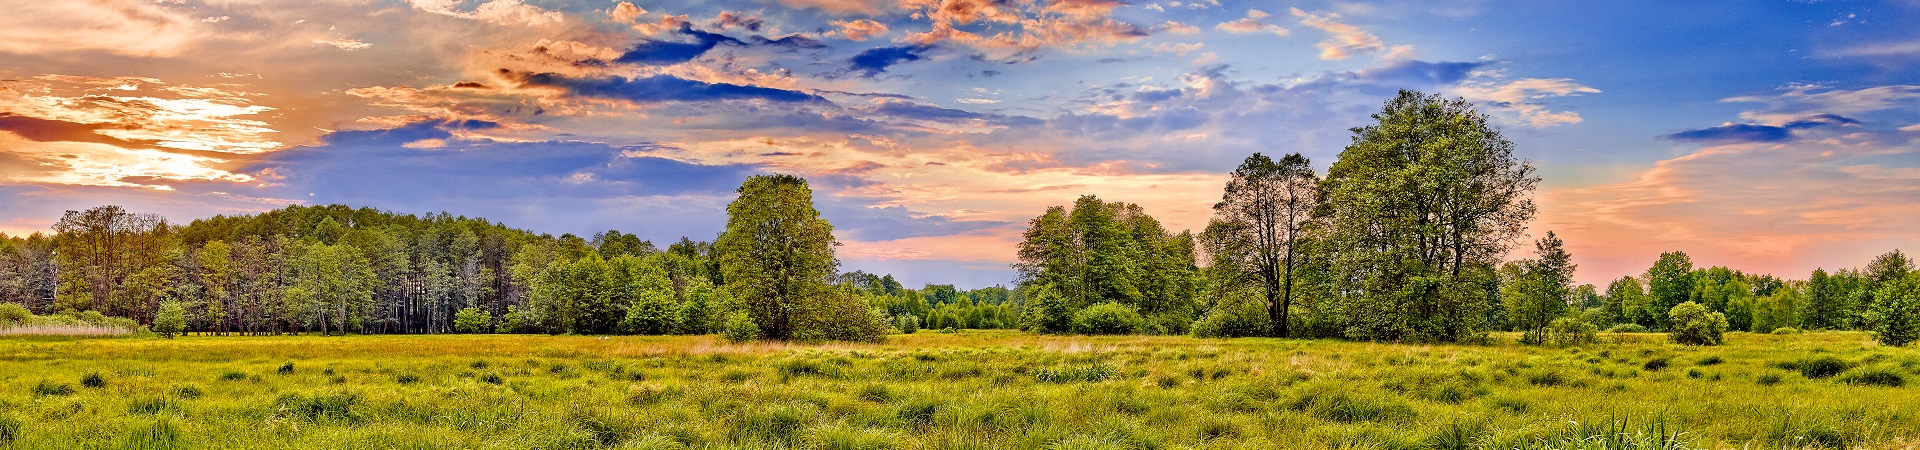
1404,239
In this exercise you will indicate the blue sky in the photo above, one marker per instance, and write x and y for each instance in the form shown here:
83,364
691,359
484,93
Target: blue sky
1767,136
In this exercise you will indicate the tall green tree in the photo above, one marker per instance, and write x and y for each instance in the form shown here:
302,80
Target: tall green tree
1627,302
331,285
1825,303
777,257
1416,203
1895,316
1669,283
1542,287
1265,211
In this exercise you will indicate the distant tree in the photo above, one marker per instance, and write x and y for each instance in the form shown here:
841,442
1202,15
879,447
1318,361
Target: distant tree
1739,305
1267,206
330,285
1781,309
216,273
1540,288
1669,283
171,320
1824,302
1626,302
1691,323
1420,207
1587,296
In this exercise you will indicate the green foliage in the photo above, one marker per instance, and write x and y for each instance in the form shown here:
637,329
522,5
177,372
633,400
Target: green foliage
1235,316
1419,206
171,320
1818,367
1107,318
12,314
1627,328
1046,311
1690,323
1669,283
1568,331
1781,309
1895,312
652,312
777,254
1786,330
1626,303
93,380
1536,291
738,326
1259,226
472,320
1098,252
907,324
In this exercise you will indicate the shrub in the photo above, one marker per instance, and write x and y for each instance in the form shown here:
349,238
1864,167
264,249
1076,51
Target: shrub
12,314
840,316
907,323
519,320
739,327
1627,328
170,320
1235,316
1786,330
1571,331
1692,324
472,320
1107,318
652,312
1873,376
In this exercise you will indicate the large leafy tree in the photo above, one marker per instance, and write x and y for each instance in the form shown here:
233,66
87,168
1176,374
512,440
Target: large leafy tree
777,257
1098,252
1420,204
1264,214
1626,302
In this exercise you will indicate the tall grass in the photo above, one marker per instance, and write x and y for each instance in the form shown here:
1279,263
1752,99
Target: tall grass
967,390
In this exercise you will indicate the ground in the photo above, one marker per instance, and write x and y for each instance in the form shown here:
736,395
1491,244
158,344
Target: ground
965,390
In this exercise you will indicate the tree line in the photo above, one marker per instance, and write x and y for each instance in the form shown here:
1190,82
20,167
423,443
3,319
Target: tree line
1404,239
334,269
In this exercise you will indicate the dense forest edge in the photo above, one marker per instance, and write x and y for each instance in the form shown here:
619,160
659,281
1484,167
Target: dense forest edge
1403,239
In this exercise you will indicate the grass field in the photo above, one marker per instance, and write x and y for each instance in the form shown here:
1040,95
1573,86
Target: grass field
966,390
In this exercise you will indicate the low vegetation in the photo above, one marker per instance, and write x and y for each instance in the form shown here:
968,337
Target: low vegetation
971,389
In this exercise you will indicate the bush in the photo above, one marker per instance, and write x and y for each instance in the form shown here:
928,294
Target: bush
1692,324
1786,330
1571,331
1107,318
170,320
739,327
652,312
1627,328
907,323
519,320
1235,316
472,320
12,314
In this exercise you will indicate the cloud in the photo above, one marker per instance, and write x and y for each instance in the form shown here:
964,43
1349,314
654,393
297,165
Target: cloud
843,7
1254,22
1518,101
626,12
44,130
1342,39
137,28
343,44
661,52
1015,30
1750,133
875,61
860,29
659,88
730,19
500,12
1173,27
1796,100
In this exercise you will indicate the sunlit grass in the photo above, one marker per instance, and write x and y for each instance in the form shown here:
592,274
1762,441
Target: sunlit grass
960,390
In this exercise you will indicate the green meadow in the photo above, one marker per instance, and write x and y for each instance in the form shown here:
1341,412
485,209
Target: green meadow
967,390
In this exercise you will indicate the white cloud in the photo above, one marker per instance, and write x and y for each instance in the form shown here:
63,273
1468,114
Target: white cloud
1254,22
1516,101
500,12
1342,39
344,44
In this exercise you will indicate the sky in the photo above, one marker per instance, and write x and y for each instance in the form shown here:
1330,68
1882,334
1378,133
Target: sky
1771,137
